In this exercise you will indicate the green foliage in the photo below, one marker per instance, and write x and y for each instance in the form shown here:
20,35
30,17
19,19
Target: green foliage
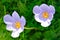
25,7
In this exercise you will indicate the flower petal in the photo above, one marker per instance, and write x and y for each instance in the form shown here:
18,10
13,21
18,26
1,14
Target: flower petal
45,24
23,21
8,19
15,34
15,15
52,9
36,10
37,18
44,7
50,17
20,30
10,28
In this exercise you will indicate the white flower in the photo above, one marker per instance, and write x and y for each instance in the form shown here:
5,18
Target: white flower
44,14
15,24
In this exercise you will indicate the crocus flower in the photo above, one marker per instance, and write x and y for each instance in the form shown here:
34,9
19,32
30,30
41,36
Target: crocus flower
15,24
44,14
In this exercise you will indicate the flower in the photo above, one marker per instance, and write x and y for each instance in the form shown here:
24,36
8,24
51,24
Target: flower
15,24
44,14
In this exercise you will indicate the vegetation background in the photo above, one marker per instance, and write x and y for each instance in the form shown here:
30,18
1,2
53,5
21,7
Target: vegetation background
25,7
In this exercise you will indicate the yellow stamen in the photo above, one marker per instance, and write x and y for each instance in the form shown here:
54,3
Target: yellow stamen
45,15
17,24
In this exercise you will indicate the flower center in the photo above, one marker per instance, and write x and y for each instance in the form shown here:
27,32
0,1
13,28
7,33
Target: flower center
17,24
45,15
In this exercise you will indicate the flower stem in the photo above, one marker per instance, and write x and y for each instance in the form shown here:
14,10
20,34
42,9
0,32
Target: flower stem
29,28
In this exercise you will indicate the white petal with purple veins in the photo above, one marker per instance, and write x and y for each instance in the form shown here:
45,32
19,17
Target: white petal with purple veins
45,24
15,15
23,21
8,19
50,17
36,10
52,9
15,34
10,28
44,7
20,30
37,18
